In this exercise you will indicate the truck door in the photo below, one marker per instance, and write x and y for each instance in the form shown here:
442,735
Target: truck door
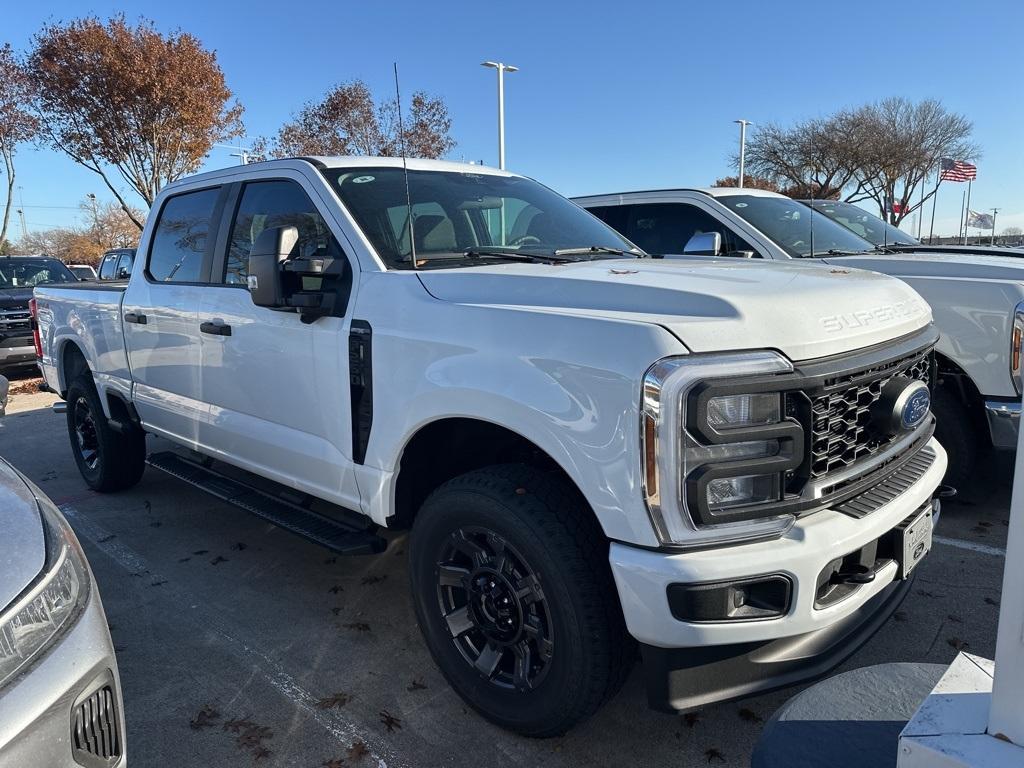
160,314
277,388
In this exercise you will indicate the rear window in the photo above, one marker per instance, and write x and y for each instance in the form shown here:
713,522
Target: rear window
28,273
178,251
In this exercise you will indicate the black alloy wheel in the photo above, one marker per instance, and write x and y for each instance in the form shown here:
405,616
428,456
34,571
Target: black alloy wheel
494,606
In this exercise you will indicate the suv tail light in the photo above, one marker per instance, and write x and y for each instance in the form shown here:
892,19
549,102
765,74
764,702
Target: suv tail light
34,324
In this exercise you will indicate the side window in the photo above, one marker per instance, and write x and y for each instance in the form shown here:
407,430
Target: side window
666,228
107,266
266,204
124,266
615,216
178,248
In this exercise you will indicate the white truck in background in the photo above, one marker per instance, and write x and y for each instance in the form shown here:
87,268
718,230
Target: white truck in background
592,448
977,301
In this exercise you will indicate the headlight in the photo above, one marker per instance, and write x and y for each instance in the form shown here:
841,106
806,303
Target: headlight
717,444
1016,339
36,619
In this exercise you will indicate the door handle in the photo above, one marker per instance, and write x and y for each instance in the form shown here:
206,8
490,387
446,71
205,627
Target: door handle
135,317
215,328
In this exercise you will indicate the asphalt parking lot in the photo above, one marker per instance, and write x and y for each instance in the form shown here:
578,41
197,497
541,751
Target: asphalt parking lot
240,644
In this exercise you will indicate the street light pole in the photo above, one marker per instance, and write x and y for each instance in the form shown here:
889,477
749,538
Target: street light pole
994,212
95,217
501,69
743,147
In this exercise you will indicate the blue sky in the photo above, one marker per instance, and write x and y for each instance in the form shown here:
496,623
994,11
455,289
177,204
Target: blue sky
610,96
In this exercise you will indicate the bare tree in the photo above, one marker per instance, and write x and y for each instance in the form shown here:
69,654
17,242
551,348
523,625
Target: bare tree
347,121
815,158
129,98
110,228
753,182
883,152
1013,231
905,142
17,124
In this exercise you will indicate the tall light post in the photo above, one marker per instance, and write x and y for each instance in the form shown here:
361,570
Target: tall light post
501,68
994,212
95,217
743,147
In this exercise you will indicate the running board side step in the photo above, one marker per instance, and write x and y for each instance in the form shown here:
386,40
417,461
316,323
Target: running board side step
320,529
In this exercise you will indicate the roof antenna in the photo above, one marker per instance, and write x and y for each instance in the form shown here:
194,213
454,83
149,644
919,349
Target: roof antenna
405,171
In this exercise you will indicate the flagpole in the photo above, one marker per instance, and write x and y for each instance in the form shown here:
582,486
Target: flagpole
960,231
935,197
967,214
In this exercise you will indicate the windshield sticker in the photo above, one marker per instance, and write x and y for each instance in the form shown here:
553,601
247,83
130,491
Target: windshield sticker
741,205
362,179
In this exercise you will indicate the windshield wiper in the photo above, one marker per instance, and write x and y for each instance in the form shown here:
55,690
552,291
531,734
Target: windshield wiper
839,252
594,250
524,256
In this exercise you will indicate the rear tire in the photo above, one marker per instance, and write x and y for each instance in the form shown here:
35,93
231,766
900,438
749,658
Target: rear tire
515,599
108,460
958,433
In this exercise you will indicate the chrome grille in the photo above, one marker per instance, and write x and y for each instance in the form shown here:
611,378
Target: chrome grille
94,730
840,417
15,320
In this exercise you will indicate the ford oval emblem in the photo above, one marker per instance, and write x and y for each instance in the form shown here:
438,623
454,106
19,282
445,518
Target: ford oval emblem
915,406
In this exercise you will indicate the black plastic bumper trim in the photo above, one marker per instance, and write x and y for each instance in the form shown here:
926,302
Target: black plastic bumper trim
680,679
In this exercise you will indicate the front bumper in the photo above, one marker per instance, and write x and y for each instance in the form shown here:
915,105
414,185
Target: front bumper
37,711
802,641
17,351
1003,422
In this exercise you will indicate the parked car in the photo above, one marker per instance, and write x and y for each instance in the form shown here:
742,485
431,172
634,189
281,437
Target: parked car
5,387
977,301
558,419
884,235
18,276
60,693
83,271
117,264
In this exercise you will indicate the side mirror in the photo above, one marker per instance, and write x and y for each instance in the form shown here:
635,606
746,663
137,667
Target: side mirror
272,247
704,244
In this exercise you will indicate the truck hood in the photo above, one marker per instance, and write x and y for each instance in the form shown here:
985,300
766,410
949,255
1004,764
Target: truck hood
963,250
15,298
23,553
945,265
803,310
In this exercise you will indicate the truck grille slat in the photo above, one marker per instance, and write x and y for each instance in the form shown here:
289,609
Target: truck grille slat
840,417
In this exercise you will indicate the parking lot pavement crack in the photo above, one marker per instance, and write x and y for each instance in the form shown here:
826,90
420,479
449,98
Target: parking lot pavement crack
341,729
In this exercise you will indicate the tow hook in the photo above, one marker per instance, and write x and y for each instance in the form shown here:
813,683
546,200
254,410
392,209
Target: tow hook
945,492
60,406
857,574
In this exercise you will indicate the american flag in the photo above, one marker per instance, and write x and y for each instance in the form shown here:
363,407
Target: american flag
957,170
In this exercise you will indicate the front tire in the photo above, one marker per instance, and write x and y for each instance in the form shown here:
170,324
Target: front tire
958,433
108,460
515,599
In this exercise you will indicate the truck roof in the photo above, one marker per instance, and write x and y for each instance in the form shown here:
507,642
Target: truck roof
342,161
709,191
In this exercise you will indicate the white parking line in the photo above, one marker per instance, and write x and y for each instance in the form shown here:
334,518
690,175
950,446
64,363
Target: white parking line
970,545
344,731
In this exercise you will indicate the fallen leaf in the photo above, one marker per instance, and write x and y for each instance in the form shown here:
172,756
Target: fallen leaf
184,559
158,583
218,559
336,589
239,546
691,718
991,601
956,643
334,701
260,753
107,538
954,619
899,616
357,751
238,725
372,579
390,721
200,552
714,754
207,717
417,685
335,611
358,626
335,763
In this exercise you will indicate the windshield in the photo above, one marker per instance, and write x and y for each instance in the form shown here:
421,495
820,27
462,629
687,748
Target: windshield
873,229
27,273
452,213
788,223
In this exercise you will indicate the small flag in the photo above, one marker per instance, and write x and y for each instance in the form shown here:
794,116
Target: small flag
979,220
957,170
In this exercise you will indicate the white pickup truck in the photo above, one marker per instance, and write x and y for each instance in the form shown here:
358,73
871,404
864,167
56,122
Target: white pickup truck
977,301
589,446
